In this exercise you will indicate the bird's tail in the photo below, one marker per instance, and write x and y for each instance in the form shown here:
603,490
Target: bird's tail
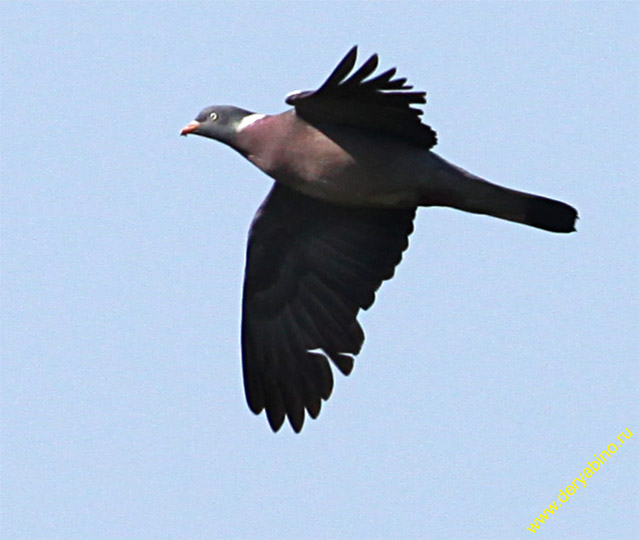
460,189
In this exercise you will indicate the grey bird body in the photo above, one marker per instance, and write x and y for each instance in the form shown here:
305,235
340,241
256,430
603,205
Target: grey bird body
346,168
351,162
352,167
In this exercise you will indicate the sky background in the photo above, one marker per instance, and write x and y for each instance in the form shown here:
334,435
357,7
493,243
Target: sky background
498,361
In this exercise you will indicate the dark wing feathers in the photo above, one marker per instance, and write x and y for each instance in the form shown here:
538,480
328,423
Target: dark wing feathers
311,266
341,71
381,104
364,71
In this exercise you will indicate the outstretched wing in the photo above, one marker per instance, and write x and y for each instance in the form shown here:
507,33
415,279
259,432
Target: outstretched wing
381,104
310,267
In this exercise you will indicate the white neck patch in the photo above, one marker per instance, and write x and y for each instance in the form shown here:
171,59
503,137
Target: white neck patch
248,120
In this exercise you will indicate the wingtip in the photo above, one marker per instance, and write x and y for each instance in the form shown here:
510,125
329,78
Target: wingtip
351,56
296,423
275,420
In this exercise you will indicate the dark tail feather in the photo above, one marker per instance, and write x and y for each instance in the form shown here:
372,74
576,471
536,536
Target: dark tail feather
550,215
452,186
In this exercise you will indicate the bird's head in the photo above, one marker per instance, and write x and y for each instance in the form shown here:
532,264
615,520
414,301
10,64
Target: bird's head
219,122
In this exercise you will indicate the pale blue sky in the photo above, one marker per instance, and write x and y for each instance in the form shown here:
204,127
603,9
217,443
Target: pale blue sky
497,362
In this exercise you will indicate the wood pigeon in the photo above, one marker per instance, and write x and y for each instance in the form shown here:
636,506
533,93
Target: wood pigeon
351,161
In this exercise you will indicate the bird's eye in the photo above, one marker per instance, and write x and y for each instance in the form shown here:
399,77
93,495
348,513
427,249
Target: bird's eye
213,116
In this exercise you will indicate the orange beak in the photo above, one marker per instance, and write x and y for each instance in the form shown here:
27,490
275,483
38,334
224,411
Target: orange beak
190,128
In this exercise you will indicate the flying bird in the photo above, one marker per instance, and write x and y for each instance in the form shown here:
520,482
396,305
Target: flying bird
351,161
